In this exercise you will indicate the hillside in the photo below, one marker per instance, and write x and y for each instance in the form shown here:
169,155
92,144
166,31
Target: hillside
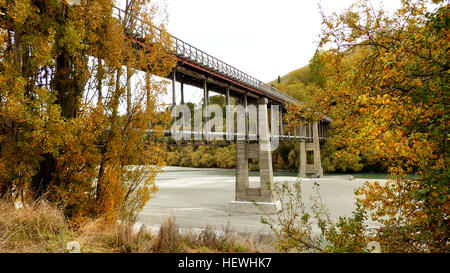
295,83
298,83
301,75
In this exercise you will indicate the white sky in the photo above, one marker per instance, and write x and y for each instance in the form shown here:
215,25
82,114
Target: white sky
263,38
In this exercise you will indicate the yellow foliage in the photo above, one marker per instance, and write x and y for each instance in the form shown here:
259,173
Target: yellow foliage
386,87
63,80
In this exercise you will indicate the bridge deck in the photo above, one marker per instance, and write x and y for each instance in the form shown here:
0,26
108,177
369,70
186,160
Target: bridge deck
235,136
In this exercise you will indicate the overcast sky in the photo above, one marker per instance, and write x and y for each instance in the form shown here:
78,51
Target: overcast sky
263,38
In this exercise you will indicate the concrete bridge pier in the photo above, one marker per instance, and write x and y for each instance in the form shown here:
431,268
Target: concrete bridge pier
262,195
314,169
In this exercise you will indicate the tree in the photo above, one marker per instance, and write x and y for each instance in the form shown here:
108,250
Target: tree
62,82
386,85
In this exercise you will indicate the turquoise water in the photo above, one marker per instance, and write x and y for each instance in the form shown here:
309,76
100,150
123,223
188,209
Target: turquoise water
371,175
231,172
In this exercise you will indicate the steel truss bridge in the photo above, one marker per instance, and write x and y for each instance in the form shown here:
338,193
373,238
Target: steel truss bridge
197,68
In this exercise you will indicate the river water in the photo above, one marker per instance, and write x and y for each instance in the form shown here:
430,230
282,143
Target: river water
198,198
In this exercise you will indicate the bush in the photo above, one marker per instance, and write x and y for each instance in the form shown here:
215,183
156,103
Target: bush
173,159
294,226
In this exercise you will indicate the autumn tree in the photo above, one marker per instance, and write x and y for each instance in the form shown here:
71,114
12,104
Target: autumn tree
390,99
65,73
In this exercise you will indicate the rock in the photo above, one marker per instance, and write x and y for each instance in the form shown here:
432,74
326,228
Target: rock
137,227
73,247
18,205
73,2
374,247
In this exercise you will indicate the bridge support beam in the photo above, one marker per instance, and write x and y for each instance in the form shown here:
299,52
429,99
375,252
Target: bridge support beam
262,195
265,152
242,183
206,104
314,169
302,165
182,93
316,148
174,84
281,124
229,117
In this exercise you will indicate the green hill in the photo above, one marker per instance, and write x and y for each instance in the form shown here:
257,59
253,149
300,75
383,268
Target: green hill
295,83
299,83
301,75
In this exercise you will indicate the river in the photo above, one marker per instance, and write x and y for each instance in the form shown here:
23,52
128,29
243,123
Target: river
199,198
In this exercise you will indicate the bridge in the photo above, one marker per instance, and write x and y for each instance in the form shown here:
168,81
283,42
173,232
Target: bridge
197,68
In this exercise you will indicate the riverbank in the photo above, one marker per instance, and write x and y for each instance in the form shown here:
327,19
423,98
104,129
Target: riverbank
42,228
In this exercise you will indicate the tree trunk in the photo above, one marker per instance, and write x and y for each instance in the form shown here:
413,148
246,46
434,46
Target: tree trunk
129,75
109,137
42,179
100,73
18,49
69,88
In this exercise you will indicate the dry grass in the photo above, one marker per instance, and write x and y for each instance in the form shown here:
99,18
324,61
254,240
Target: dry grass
43,228
168,238
209,240
37,228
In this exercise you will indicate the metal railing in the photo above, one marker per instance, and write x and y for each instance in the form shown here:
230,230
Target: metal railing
223,135
192,54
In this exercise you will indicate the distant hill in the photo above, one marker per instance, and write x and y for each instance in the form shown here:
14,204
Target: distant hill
294,83
301,75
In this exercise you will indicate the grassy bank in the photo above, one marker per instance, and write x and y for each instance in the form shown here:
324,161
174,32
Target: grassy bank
43,228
